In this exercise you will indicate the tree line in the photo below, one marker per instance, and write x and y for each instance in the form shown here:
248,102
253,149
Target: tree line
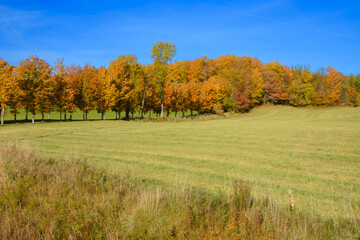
205,85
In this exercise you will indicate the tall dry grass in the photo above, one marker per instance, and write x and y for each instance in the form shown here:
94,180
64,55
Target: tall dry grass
44,198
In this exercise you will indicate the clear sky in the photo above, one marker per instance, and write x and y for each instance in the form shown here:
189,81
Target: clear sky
315,33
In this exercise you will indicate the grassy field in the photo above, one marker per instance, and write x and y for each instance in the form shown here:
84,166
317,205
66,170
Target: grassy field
46,198
314,153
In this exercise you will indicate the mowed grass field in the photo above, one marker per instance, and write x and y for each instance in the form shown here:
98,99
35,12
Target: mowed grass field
314,153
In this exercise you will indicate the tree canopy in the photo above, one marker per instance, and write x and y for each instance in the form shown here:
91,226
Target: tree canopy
205,85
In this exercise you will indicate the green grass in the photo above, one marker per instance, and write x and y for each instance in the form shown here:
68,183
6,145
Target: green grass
314,153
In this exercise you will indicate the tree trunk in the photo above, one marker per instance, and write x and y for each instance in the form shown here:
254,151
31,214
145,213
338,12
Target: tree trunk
83,115
183,114
2,115
65,116
33,117
49,115
26,115
14,117
127,113
265,98
42,117
60,117
70,117
86,116
143,104
103,116
119,115
175,113
162,106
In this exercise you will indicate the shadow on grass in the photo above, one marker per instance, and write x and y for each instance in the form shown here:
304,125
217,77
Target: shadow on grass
145,119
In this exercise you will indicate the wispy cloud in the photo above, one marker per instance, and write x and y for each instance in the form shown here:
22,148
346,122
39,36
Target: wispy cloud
298,24
14,23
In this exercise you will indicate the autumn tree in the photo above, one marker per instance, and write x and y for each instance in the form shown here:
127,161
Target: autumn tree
44,98
193,95
353,89
273,75
153,101
136,75
6,82
320,86
84,93
333,80
213,93
238,73
200,69
122,74
179,71
162,53
178,77
62,95
14,100
73,81
356,82
33,75
302,91
104,92
256,88
169,98
143,84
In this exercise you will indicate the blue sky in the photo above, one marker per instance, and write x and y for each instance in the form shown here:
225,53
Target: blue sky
315,33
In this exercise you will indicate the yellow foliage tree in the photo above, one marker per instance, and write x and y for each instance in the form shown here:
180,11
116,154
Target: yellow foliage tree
256,88
104,92
6,81
333,80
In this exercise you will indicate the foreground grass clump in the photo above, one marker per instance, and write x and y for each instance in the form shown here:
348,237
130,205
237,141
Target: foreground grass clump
46,198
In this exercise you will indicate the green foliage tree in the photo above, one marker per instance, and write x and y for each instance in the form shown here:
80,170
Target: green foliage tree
302,91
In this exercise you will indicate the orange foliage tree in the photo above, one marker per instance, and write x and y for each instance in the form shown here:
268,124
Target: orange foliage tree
62,94
33,75
226,83
333,80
